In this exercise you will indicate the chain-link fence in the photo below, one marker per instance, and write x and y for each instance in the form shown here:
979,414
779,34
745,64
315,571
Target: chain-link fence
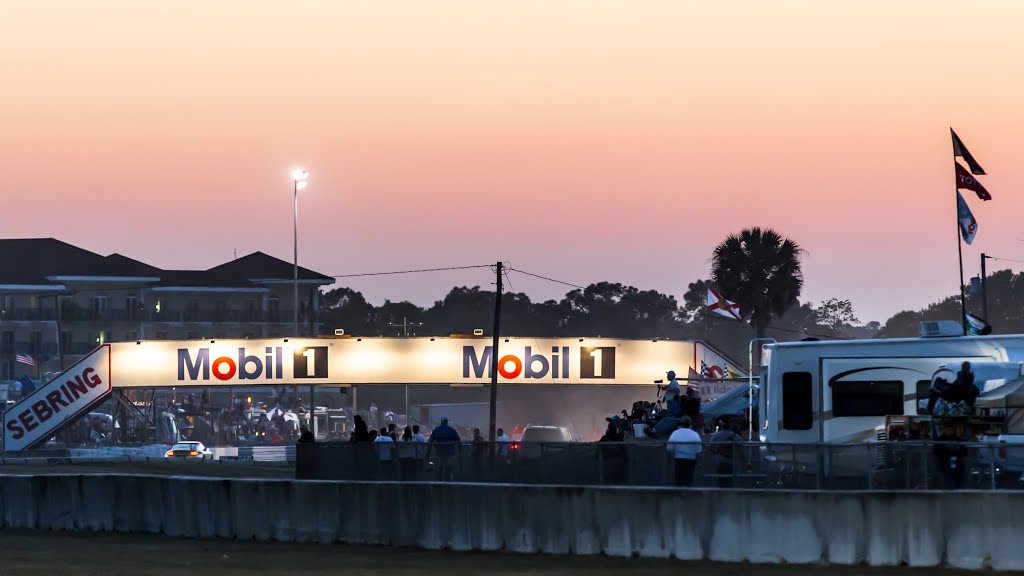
866,466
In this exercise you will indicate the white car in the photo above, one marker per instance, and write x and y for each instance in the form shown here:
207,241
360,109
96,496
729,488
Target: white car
189,450
540,440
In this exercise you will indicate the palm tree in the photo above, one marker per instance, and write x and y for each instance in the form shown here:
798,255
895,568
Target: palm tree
759,270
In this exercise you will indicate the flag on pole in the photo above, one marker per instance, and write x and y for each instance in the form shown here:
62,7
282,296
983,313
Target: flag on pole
968,225
965,181
960,150
976,326
721,306
22,358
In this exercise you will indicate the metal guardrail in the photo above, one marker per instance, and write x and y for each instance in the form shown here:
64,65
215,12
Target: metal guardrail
864,466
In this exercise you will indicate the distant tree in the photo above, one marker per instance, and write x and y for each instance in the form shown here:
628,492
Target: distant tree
759,270
835,312
347,309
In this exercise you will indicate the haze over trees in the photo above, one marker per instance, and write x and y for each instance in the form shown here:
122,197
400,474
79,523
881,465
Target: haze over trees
764,276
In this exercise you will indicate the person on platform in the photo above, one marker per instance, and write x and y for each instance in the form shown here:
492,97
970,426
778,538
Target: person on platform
684,445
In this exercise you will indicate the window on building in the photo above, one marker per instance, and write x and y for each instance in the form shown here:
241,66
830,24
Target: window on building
192,336
867,398
8,343
161,335
797,401
274,309
193,309
99,306
220,310
5,305
219,335
35,343
7,369
131,336
131,305
250,311
33,303
66,342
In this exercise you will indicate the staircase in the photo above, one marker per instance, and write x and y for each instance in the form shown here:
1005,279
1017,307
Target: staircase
41,414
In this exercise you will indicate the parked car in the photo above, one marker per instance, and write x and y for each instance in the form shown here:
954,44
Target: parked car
190,450
538,441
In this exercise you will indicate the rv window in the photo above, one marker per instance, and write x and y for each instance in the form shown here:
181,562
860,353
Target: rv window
867,398
924,388
797,401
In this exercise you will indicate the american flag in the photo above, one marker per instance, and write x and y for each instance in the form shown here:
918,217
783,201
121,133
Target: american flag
22,358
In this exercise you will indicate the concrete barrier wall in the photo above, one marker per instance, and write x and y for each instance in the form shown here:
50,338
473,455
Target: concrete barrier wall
966,529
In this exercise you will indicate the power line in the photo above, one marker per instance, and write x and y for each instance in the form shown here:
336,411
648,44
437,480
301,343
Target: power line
412,271
1004,259
570,284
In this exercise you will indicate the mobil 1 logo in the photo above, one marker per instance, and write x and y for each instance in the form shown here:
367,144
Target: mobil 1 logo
597,362
310,362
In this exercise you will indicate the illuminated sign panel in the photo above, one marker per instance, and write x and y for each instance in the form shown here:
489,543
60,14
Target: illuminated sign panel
398,361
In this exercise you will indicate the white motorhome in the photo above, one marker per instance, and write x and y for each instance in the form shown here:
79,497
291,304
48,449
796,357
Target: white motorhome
839,392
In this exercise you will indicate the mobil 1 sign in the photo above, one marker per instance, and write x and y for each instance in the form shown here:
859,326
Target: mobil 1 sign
37,417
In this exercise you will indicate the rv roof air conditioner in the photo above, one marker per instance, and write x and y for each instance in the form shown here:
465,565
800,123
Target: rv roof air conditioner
940,328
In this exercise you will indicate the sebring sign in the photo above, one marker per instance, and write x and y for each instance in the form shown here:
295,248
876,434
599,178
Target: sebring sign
37,417
398,361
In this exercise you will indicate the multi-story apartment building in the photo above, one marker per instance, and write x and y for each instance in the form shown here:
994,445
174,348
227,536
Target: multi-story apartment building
58,302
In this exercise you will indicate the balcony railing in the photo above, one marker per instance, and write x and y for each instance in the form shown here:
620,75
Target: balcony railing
175,315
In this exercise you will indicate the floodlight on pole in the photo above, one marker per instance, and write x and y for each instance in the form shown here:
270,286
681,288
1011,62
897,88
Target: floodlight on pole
299,176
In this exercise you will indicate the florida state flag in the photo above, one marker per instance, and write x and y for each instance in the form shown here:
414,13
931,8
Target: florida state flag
964,181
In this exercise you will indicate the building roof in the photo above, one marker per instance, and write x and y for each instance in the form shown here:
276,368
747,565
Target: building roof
48,261
260,266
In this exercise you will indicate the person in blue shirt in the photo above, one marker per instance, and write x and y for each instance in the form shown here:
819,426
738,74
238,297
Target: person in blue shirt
446,440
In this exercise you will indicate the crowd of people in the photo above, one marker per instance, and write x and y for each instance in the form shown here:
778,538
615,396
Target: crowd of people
411,455
675,417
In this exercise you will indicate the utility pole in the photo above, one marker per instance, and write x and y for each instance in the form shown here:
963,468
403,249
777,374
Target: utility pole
984,288
494,353
405,326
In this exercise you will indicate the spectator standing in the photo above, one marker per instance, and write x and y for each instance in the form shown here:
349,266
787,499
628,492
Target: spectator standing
306,437
724,446
407,455
479,447
360,433
503,446
615,459
385,454
684,445
445,441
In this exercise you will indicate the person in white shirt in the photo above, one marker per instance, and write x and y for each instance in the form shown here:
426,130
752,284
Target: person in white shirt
385,454
684,445
503,445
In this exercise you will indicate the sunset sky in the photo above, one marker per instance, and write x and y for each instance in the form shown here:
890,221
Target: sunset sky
585,140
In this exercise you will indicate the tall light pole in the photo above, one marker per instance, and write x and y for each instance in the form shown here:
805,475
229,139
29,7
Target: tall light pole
299,176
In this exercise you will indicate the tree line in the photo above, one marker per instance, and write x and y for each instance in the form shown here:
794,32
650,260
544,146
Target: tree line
757,268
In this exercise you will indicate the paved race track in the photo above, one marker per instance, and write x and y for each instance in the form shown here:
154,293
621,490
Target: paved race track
104,554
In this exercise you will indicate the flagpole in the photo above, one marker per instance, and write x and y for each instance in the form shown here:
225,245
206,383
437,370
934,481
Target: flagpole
960,258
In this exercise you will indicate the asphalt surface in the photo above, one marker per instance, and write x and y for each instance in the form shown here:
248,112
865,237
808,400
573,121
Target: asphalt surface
103,554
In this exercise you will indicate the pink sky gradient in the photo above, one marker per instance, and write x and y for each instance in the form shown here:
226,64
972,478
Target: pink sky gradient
585,140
